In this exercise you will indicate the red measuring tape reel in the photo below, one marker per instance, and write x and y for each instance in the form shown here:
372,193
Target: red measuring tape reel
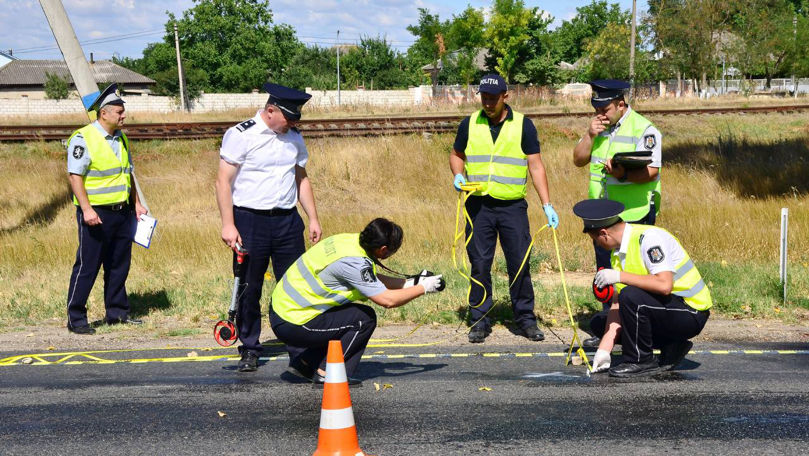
605,294
225,333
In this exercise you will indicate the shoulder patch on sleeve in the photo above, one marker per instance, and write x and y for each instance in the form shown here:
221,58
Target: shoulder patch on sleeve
78,152
245,125
655,254
649,142
367,274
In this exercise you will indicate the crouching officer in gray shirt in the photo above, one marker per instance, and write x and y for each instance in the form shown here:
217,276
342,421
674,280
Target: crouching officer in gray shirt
317,299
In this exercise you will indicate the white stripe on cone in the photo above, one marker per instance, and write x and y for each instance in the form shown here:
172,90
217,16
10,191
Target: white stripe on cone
336,419
336,373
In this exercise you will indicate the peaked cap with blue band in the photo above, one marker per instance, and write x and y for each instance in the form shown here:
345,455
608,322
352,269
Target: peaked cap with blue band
106,97
606,90
598,213
288,100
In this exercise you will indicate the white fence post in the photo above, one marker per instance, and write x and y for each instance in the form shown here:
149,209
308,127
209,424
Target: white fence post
783,271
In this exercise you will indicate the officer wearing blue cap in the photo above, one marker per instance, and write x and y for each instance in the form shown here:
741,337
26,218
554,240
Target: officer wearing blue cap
262,176
99,167
617,128
496,148
661,300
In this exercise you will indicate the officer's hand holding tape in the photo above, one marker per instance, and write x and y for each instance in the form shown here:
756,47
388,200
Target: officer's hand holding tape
432,284
550,213
606,277
601,361
459,180
428,280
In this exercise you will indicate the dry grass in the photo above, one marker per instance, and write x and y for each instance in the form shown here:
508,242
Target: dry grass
185,275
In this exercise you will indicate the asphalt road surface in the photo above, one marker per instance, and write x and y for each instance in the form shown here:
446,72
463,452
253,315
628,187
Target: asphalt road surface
505,400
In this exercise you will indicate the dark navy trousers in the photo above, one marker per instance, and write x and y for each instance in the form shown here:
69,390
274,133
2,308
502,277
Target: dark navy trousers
275,235
649,321
108,244
508,220
352,324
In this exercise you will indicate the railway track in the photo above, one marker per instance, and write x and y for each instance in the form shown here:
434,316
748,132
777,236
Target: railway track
319,128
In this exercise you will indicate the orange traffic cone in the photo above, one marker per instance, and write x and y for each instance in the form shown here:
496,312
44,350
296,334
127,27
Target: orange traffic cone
338,434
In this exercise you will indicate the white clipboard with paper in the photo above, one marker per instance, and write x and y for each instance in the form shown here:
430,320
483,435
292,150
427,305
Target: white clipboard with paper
146,223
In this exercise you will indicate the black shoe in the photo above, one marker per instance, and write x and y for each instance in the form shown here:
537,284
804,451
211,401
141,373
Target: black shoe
125,321
249,362
592,342
301,370
628,370
673,354
319,380
478,335
86,329
533,333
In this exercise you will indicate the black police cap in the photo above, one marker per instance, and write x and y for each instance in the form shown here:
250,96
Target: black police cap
606,90
287,99
598,213
107,96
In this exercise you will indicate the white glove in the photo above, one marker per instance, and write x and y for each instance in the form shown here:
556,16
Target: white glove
432,284
601,362
412,281
606,277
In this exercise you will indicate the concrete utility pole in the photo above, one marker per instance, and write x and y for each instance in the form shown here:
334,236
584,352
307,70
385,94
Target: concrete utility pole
338,68
179,69
71,50
632,51
795,41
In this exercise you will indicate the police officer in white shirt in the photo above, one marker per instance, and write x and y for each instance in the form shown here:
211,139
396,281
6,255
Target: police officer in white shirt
661,299
261,177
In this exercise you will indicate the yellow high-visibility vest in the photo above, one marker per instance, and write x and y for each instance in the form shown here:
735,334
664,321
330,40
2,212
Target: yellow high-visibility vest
501,166
635,197
108,179
300,295
688,283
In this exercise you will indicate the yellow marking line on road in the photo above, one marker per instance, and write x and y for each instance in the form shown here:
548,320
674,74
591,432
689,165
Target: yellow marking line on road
78,358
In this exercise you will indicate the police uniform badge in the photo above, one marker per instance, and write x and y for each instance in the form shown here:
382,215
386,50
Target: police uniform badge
78,152
655,254
367,274
649,142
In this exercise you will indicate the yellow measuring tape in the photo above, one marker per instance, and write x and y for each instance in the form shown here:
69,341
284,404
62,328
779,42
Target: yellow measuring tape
461,215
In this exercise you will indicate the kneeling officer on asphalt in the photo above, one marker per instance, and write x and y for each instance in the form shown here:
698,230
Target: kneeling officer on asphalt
316,299
661,300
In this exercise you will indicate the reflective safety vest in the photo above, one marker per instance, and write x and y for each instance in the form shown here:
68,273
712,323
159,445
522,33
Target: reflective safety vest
108,179
635,197
300,295
688,283
501,166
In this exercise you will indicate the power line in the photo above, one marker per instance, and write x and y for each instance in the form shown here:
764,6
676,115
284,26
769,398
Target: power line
107,39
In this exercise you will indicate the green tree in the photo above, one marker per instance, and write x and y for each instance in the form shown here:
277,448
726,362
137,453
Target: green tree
540,59
572,37
764,41
608,55
465,38
227,45
56,87
507,34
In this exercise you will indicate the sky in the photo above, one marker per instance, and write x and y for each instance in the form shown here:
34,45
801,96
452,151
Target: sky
123,28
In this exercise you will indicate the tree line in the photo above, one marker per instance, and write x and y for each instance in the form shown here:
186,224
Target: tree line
235,46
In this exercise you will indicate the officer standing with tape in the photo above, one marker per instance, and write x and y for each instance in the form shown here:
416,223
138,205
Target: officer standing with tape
616,128
662,300
99,167
318,299
261,177
497,148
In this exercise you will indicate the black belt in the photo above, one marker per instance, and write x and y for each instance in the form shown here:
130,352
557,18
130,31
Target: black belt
112,207
274,211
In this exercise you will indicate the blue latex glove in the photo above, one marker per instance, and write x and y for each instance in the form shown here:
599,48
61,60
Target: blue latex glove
459,180
553,219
